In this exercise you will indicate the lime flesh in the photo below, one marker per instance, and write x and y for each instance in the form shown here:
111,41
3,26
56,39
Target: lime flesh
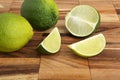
82,21
51,44
89,47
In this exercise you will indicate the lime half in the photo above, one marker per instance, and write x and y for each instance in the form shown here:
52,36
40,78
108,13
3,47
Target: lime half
89,47
82,21
51,44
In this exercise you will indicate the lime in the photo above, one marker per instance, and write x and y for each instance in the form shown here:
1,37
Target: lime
82,21
51,44
15,32
89,47
42,14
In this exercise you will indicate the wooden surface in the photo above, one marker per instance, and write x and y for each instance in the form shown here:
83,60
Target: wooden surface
27,64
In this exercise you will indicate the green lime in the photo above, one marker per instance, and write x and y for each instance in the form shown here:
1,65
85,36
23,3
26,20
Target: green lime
82,21
89,47
15,32
51,44
42,14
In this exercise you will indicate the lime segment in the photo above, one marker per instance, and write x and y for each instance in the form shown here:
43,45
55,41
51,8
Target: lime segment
51,44
82,21
89,47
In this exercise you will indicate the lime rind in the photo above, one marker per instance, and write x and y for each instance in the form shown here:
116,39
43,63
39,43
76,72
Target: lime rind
41,49
92,24
42,14
15,32
94,38
51,44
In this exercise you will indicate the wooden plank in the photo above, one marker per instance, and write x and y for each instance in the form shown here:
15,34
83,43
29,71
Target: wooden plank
19,68
16,6
106,66
105,7
65,6
116,4
63,66
24,64
61,25
111,32
5,5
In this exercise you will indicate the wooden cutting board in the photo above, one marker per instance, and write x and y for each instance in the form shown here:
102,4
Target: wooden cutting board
27,64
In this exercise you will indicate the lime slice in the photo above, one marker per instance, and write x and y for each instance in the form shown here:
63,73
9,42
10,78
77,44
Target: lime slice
51,44
82,21
89,47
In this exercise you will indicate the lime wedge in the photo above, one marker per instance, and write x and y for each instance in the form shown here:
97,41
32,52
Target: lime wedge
51,44
82,20
89,47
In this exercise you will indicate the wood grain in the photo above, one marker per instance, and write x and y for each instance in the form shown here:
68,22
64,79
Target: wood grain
19,68
111,31
22,64
105,7
16,6
63,66
65,6
28,64
5,5
106,65
116,4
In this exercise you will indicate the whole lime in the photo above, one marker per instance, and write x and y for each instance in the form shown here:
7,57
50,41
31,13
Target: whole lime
15,32
42,14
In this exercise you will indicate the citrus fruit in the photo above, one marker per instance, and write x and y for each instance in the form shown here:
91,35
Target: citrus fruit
82,20
89,47
51,44
42,14
15,32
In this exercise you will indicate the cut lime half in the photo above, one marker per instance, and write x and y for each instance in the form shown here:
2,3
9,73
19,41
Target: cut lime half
51,44
82,20
89,47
